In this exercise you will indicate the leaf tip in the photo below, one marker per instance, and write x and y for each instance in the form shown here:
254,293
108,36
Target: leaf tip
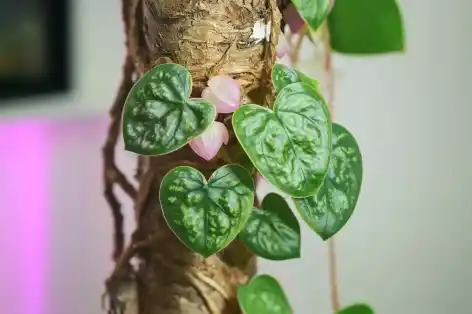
205,254
130,148
325,236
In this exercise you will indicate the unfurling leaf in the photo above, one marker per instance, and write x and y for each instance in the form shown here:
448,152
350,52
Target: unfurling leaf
290,146
159,117
224,92
208,144
273,232
356,309
207,216
263,295
313,11
366,27
330,209
284,75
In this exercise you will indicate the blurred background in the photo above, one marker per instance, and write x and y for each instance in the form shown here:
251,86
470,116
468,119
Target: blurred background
407,249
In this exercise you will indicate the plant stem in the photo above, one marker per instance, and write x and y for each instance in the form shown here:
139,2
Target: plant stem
333,276
331,245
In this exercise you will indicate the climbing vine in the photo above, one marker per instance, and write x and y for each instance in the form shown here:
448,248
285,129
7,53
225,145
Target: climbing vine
289,141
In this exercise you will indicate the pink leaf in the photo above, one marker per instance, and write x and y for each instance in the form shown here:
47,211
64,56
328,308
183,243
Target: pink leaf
208,144
224,93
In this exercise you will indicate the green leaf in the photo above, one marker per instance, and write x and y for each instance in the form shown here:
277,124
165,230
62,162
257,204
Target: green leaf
357,309
263,295
312,11
291,145
159,117
330,209
366,27
273,232
207,216
283,76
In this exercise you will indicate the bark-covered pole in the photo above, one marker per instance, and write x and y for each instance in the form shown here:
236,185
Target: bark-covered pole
209,37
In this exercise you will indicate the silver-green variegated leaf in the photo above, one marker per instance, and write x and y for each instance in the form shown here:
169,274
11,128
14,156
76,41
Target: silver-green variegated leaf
356,309
272,232
313,11
263,295
330,209
159,117
283,75
291,145
207,216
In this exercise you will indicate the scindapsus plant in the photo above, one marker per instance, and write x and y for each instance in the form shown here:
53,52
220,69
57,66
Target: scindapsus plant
213,105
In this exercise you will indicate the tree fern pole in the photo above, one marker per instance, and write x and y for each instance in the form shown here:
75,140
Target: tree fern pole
209,38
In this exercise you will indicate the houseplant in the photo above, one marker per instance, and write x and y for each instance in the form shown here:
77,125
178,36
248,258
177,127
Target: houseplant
209,113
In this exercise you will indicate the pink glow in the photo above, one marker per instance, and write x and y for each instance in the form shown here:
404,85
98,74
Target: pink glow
23,217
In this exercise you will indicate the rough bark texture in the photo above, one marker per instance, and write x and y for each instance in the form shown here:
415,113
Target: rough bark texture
209,37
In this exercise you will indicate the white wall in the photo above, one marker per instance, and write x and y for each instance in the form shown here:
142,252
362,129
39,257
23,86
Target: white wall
98,52
406,249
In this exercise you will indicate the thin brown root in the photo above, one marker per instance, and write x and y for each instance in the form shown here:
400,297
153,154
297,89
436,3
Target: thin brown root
211,306
128,254
139,168
224,58
135,36
269,52
213,284
111,174
143,193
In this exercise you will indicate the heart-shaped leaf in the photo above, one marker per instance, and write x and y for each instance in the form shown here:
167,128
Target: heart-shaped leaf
273,232
357,309
313,11
263,295
207,216
330,209
159,117
290,146
366,27
283,75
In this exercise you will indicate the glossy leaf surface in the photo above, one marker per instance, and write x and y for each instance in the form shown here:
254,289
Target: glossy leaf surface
330,209
366,27
291,145
207,216
357,309
283,75
273,232
313,11
159,117
263,295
